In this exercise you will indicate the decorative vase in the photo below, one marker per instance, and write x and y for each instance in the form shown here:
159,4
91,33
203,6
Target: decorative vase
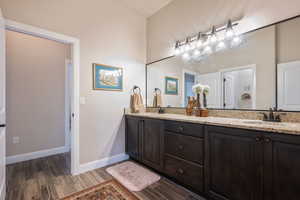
198,106
204,100
190,106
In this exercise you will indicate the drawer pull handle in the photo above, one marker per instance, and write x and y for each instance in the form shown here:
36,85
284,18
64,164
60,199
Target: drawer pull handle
258,139
267,140
181,129
180,171
180,147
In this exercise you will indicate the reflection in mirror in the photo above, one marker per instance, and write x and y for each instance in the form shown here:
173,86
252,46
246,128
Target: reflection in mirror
242,77
288,56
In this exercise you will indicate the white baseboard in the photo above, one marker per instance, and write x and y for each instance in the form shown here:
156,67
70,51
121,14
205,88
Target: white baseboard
35,155
102,163
2,190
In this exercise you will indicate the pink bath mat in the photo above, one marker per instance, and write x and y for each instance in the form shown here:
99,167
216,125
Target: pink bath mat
133,176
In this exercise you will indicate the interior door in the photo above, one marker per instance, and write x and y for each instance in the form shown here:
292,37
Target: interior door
289,86
228,91
213,81
2,108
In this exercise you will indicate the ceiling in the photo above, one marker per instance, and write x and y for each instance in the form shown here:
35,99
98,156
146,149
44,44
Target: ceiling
146,7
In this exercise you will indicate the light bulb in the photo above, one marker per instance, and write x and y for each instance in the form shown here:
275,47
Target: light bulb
187,47
236,40
199,43
181,49
177,51
213,36
229,33
177,48
229,30
196,52
186,56
193,45
221,45
207,50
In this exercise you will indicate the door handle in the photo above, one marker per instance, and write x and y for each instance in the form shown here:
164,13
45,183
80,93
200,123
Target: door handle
2,125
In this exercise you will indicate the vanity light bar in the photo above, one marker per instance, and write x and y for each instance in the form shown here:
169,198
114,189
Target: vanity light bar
206,38
206,34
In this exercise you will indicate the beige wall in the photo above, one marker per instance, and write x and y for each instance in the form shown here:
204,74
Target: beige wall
288,41
110,34
181,18
35,97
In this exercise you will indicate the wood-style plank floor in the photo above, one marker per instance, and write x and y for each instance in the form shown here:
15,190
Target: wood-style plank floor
49,178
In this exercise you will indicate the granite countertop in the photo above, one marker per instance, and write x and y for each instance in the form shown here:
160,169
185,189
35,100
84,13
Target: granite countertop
282,127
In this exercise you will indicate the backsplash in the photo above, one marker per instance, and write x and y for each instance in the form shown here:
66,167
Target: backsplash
286,117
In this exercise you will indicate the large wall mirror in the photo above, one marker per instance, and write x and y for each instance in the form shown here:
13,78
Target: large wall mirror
261,72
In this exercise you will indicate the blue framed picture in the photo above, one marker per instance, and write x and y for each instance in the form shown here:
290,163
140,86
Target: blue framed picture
107,77
171,86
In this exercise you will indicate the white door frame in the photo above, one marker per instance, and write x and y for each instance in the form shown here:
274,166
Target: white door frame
68,93
2,111
223,71
75,46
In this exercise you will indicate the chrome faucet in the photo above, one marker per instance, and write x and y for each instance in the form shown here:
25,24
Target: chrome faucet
161,110
272,116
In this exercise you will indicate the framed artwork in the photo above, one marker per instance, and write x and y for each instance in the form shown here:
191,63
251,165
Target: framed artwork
171,86
107,77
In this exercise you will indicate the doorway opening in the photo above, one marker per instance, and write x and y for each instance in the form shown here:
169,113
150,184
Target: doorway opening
72,136
239,88
189,80
38,103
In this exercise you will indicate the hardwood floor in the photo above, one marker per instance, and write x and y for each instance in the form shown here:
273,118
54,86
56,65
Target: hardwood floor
49,178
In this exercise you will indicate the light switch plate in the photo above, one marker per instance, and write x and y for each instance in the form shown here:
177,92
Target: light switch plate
82,100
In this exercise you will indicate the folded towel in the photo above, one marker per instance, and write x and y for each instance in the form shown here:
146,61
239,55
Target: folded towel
157,100
136,103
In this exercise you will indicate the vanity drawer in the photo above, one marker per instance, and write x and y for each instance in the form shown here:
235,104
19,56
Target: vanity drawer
186,147
184,172
185,128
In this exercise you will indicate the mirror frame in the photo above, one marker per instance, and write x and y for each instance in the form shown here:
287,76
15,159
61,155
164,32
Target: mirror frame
276,73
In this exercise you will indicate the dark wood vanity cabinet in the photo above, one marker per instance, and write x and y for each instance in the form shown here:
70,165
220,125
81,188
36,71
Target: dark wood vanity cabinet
234,164
282,167
144,139
133,136
220,163
184,154
152,143
251,165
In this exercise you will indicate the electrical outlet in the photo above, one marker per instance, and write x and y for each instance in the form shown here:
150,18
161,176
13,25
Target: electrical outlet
16,140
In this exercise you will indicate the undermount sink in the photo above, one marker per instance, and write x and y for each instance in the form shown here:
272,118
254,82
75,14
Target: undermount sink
261,122
254,122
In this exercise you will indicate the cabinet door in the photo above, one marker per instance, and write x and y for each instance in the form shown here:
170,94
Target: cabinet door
234,164
282,167
152,143
132,137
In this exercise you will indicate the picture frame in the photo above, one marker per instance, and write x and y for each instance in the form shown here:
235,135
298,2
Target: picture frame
171,85
107,77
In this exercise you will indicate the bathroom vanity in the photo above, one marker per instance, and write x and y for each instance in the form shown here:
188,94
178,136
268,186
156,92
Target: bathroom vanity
219,158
